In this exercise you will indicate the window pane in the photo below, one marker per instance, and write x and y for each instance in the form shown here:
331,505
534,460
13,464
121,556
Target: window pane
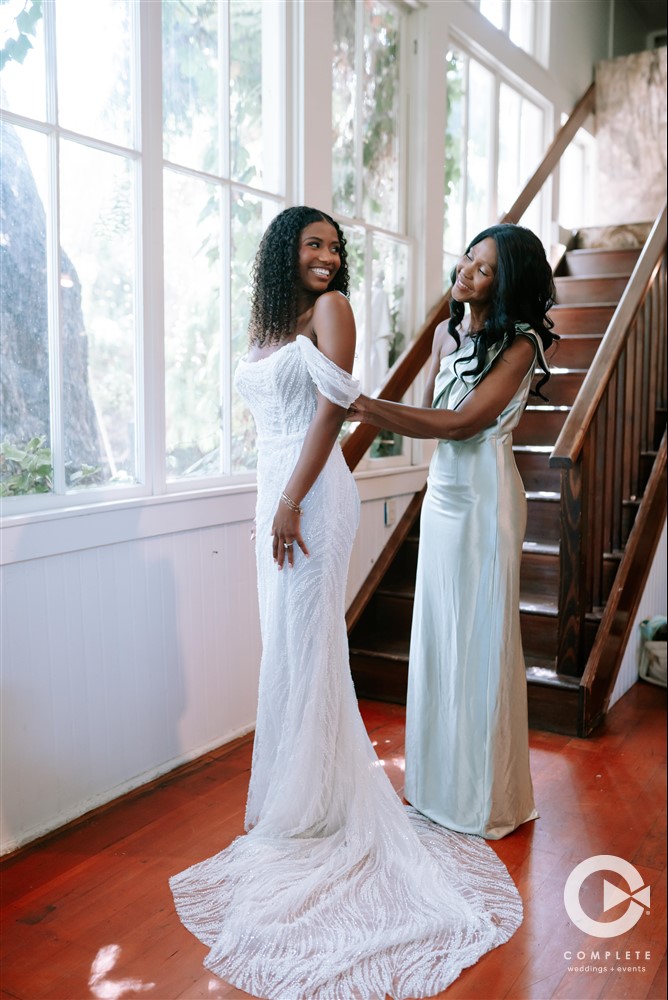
389,307
389,324
94,75
193,322
510,150
532,146
246,92
481,110
24,373
453,222
493,10
250,217
381,114
522,19
23,86
572,187
97,203
355,248
344,83
191,93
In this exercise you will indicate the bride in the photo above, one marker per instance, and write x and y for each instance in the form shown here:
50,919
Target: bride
336,891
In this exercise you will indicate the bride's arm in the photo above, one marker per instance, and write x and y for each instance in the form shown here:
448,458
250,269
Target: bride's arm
334,324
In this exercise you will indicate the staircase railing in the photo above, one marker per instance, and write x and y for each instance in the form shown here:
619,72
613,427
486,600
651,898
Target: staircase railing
608,436
410,363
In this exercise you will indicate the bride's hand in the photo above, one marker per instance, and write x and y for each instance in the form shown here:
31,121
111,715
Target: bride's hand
286,533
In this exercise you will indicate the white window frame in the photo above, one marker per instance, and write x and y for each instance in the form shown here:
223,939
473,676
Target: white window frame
357,222
539,50
147,155
500,74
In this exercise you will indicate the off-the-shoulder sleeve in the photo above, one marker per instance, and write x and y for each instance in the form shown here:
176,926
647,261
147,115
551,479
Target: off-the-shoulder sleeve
333,382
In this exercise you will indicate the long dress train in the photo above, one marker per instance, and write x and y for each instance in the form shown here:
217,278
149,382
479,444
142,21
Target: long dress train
337,891
467,739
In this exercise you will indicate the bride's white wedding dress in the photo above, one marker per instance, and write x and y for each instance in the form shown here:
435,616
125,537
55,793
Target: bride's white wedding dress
338,891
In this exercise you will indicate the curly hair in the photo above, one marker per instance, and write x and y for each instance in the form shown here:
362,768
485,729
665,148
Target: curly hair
275,274
523,292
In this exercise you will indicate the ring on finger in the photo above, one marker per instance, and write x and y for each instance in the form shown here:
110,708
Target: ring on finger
288,545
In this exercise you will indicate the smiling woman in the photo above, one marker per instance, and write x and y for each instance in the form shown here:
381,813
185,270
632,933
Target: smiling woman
475,274
467,749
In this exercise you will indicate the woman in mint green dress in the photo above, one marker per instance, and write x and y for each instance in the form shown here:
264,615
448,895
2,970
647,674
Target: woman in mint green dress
467,747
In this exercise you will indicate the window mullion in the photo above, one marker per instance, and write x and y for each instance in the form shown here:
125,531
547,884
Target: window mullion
151,434
359,110
53,270
368,293
225,304
494,158
224,86
225,313
465,152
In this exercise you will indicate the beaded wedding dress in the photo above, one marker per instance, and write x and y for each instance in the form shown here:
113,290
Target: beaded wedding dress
337,891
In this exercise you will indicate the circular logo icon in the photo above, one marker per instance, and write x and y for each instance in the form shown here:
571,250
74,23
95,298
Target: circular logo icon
638,896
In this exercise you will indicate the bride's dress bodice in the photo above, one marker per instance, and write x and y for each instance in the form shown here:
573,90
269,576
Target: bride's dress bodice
281,388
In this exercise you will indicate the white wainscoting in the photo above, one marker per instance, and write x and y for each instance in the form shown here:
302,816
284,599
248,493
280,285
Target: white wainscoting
118,663
131,643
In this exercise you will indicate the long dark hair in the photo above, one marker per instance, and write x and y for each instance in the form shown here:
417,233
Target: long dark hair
522,293
275,274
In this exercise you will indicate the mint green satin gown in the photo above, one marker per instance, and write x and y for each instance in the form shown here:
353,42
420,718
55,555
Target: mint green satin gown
467,740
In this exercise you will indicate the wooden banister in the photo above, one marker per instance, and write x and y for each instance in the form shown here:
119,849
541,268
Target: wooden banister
399,379
609,437
570,441
409,364
621,608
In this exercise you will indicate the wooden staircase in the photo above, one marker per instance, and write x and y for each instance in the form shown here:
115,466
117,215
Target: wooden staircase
589,286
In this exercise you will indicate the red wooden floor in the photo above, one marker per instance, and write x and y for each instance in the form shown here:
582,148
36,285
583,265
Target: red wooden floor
88,913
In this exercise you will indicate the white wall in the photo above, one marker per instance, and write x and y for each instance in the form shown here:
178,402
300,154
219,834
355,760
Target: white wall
653,602
130,639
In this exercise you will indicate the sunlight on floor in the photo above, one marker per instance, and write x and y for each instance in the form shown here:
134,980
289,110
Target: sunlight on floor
112,989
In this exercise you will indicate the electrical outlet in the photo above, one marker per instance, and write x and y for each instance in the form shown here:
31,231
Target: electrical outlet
390,512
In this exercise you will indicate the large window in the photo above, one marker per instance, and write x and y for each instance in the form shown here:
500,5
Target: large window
126,248
524,21
495,138
368,197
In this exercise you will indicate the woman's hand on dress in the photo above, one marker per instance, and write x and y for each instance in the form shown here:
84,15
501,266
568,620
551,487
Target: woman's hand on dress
359,410
286,533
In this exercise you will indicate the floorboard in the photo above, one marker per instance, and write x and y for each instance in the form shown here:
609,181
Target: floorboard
87,912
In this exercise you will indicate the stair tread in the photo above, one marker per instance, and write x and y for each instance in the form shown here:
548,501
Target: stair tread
557,372
541,673
377,646
541,548
547,495
561,306
592,277
538,604
402,589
